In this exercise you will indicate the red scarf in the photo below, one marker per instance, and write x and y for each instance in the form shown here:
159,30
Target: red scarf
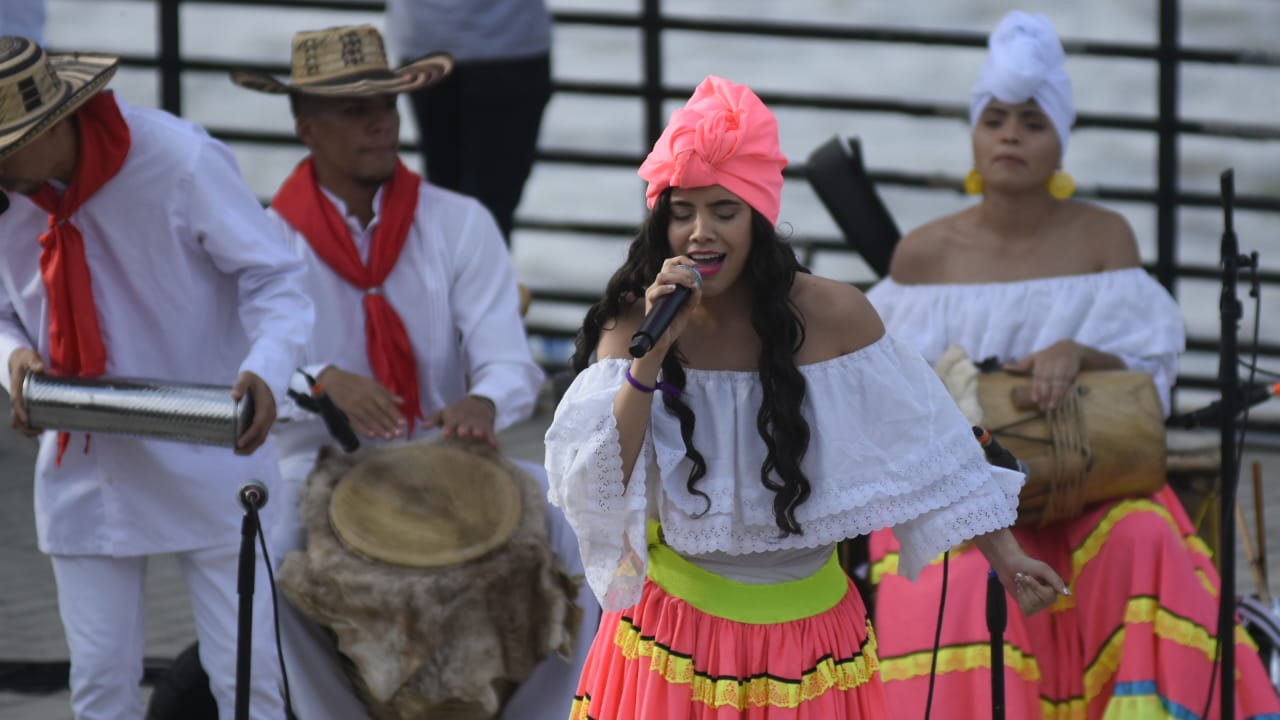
75,342
301,202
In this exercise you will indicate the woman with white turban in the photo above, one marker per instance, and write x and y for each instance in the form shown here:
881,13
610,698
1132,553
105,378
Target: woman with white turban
1051,287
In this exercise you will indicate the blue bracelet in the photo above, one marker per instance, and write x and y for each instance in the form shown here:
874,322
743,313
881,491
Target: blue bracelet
664,386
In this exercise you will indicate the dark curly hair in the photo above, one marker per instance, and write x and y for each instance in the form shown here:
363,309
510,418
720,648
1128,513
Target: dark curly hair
770,273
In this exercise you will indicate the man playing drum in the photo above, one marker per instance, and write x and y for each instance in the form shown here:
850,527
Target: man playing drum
420,329
1053,288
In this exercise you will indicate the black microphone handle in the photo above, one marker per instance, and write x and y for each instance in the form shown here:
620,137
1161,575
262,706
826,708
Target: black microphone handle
998,454
337,423
658,320
1211,414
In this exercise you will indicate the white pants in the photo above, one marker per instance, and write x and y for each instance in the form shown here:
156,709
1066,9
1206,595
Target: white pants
321,691
101,600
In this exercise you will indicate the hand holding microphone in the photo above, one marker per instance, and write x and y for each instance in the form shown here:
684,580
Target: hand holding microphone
675,285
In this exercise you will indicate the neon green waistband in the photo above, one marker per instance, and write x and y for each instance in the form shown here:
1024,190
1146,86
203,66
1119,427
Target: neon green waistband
744,602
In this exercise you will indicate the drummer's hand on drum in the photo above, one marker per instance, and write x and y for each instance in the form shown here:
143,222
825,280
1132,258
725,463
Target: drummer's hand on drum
1052,370
374,411
264,411
22,362
471,418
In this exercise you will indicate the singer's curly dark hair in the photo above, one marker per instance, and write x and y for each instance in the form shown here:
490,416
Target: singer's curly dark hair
770,273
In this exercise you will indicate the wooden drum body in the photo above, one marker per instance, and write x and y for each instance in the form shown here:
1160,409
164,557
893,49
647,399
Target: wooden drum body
1106,440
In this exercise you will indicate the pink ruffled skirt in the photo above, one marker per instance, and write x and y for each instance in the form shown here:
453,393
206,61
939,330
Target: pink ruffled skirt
1134,641
698,645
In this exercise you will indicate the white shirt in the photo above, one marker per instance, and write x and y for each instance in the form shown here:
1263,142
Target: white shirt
192,284
469,30
1122,312
455,291
888,448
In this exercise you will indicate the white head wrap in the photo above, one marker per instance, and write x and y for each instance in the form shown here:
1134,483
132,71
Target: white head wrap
1025,62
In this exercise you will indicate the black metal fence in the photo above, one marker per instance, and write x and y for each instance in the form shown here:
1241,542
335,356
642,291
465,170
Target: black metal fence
654,23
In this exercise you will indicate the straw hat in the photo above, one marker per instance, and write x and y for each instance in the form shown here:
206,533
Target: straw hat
426,505
347,61
38,90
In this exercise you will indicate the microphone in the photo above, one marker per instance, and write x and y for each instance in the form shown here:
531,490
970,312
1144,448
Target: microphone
660,317
996,453
252,495
4,202
1211,414
335,421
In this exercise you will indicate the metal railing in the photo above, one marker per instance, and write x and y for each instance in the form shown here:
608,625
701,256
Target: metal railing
650,20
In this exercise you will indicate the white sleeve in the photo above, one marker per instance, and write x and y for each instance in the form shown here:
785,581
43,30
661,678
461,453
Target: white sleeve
958,494
584,471
235,230
13,335
486,307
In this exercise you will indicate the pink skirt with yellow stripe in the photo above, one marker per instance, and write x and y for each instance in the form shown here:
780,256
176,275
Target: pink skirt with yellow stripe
698,645
1135,640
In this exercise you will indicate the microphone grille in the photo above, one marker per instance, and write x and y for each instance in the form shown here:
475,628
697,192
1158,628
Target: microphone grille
697,276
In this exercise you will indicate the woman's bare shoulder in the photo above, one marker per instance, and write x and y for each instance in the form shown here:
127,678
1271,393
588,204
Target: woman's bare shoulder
921,253
1107,236
838,318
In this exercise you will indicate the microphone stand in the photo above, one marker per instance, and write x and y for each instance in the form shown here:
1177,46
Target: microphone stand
997,603
997,620
1233,263
252,496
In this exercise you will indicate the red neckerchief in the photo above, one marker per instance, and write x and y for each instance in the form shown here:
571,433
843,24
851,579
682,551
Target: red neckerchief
303,205
75,341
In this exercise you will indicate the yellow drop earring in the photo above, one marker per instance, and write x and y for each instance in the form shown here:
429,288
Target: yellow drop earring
1062,185
973,182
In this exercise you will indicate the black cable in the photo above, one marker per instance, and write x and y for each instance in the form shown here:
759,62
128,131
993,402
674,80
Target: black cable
1244,428
1253,368
937,633
275,619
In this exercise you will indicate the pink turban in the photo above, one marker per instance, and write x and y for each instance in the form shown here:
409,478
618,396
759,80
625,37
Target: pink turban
723,136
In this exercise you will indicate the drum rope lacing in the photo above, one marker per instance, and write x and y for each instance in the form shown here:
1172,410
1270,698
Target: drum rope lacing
1069,452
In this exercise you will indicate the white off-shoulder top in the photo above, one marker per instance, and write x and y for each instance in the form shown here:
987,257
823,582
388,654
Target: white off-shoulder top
888,447
1122,312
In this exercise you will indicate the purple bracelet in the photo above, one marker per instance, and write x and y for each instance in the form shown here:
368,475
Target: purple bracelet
664,386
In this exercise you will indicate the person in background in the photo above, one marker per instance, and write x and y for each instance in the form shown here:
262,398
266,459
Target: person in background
23,18
422,332
133,248
479,126
1052,287
710,479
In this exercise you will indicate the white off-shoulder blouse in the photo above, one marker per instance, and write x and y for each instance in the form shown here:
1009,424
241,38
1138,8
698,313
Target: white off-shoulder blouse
888,448
1122,312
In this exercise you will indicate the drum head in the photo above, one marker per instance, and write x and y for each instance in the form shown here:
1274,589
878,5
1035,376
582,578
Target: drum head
425,506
